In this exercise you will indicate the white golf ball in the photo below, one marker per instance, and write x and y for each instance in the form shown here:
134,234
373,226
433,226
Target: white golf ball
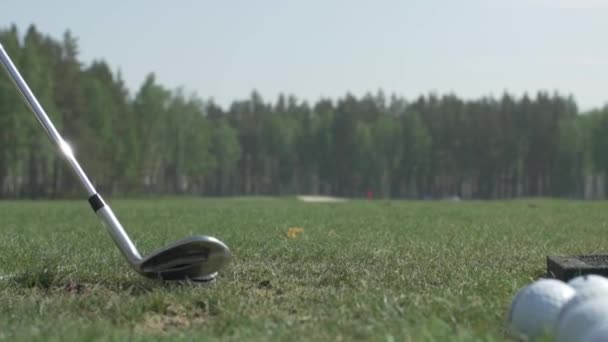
535,308
577,320
599,333
583,282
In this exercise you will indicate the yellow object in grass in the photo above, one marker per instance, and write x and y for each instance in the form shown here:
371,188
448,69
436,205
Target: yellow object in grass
293,232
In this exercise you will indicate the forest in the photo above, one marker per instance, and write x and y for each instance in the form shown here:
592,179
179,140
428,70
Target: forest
159,141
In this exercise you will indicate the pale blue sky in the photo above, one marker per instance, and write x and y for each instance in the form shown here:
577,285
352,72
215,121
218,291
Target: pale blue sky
313,48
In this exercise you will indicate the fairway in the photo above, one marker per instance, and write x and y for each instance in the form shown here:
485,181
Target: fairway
379,270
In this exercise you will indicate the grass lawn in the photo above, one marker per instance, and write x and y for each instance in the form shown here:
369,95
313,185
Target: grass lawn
385,271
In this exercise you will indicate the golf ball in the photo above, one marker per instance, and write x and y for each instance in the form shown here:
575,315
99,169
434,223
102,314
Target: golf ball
536,307
579,315
587,281
577,321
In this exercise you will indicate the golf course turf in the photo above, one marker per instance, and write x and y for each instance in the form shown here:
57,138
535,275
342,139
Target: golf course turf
359,270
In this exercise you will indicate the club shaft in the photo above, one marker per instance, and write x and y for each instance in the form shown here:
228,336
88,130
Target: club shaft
44,120
120,237
103,211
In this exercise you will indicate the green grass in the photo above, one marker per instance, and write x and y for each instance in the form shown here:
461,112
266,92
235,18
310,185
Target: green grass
384,271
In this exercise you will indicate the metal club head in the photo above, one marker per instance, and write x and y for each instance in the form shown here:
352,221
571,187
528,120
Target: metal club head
197,258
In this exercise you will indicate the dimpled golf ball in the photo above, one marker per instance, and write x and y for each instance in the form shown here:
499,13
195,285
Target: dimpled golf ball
579,315
577,321
583,282
599,333
536,307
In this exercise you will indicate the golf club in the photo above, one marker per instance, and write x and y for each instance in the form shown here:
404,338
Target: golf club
197,258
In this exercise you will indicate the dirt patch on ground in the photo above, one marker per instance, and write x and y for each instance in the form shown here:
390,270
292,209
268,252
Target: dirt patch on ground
75,288
174,316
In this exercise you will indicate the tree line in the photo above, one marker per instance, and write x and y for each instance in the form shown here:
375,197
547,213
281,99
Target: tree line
166,141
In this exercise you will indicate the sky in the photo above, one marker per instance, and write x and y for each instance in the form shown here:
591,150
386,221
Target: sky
313,48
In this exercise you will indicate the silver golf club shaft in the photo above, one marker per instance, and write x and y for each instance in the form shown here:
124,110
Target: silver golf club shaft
102,210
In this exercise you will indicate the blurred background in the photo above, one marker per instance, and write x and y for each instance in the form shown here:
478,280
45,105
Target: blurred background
377,99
